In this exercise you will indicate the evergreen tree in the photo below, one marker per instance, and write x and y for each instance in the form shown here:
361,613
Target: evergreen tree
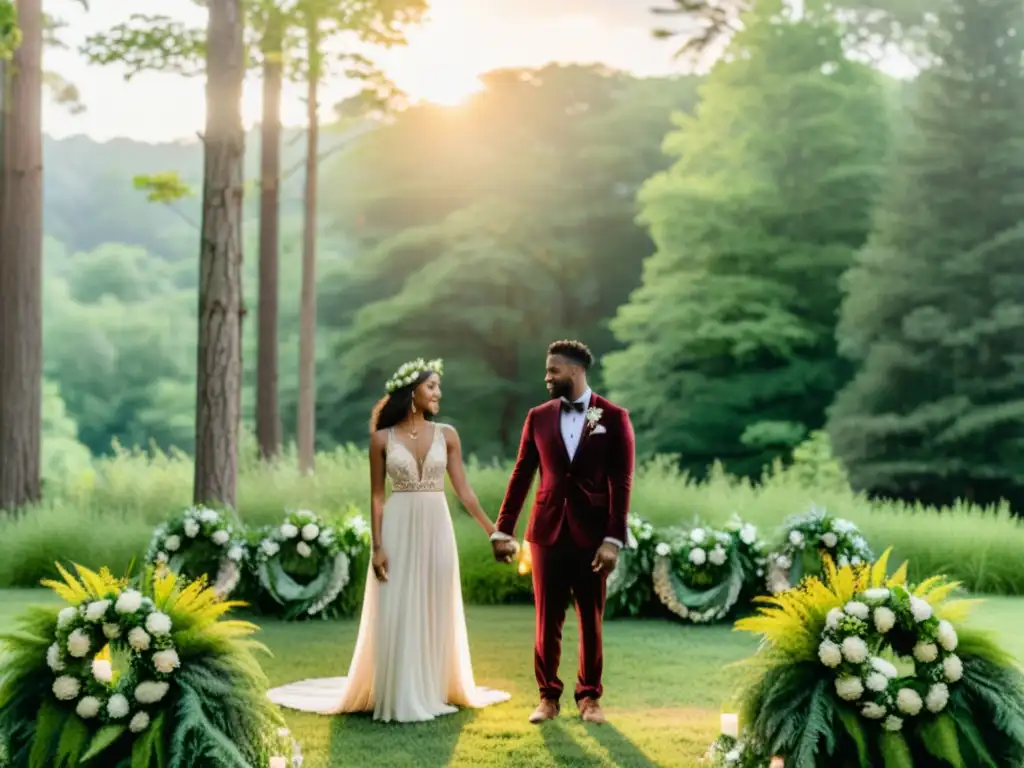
730,350
934,307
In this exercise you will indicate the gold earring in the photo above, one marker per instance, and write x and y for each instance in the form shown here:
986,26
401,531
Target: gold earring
414,407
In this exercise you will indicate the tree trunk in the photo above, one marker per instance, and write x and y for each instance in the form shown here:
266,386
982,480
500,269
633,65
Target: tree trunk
21,274
218,387
268,417
306,428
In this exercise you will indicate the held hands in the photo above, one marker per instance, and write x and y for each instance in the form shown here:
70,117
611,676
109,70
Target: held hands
606,557
505,550
380,565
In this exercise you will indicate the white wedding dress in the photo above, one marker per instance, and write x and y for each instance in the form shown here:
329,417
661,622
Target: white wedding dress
411,661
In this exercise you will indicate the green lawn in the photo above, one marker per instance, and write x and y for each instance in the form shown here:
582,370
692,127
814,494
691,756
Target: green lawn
665,685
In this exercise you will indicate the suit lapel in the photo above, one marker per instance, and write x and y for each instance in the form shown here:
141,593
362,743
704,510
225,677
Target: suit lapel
585,433
554,421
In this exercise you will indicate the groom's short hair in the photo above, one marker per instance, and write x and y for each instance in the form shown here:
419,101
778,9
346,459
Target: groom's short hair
574,351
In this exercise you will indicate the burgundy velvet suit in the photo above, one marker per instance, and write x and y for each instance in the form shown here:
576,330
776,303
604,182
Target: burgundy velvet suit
579,503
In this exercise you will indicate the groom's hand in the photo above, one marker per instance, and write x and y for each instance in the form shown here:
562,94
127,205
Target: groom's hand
606,557
504,550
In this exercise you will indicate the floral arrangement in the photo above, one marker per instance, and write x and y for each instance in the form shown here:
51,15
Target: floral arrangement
305,545
826,688
407,373
730,752
200,542
752,551
807,539
285,750
149,675
628,588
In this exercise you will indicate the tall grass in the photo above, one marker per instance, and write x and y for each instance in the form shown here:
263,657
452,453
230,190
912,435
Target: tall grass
105,517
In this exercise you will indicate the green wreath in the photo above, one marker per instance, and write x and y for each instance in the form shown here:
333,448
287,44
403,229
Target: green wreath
200,542
123,676
628,587
808,539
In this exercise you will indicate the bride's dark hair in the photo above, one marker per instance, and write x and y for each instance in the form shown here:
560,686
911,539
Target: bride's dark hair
392,408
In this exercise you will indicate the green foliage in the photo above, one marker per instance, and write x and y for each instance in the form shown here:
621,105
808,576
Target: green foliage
10,34
166,187
812,465
932,313
148,42
729,340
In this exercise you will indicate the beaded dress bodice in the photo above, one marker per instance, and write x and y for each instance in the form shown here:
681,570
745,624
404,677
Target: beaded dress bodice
405,472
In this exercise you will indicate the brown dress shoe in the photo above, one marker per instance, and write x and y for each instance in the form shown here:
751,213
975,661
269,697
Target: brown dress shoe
591,712
546,710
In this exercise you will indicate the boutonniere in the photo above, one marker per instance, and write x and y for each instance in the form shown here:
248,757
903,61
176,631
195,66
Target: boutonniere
593,416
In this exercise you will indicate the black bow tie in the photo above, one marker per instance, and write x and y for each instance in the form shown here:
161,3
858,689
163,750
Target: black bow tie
567,406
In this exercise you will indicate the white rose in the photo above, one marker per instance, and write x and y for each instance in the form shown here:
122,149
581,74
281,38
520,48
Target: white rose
117,706
926,652
748,534
166,661
947,636
53,660
66,616
833,618
310,531
908,701
876,595
172,543
161,558
855,650
783,562
303,549
129,602
235,553
139,722
289,531
876,682
796,538
79,643
887,668
102,670
138,639
873,711
829,540
921,610
663,549
66,687
150,692
717,556
158,623
884,618
111,631
830,654
849,688
209,515
937,697
732,756
221,537
269,547
97,610
953,668
88,707
857,609
191,528
698,556
698,535
893,723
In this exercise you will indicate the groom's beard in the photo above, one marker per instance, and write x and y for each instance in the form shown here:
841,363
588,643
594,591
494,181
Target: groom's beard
560,389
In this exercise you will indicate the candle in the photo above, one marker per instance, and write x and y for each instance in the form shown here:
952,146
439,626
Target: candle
730,725
278,762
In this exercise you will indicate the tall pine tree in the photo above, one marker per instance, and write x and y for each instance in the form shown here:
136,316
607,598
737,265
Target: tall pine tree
730,341
934,307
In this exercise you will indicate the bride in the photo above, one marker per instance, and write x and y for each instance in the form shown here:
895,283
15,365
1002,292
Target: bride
411,661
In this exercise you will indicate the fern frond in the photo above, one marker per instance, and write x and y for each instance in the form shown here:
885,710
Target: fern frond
71,590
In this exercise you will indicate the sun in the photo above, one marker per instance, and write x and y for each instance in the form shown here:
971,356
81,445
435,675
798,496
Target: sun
442,80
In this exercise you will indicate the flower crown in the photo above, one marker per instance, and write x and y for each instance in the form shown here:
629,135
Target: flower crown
409,372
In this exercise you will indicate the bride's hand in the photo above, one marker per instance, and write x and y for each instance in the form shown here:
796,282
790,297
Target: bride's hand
380,565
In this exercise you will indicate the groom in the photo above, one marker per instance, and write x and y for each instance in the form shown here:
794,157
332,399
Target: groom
583,446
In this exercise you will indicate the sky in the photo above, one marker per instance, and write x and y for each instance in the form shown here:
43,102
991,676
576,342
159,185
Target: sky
459,40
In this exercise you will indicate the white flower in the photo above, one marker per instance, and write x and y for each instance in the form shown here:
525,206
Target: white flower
310,531
876,682
593,415
166,661
875,595
830,654
303,549
698,535
855,650
283,733
829,539
783,562
855,560
158,623
947,636
289,531
235,554
663,549
873,711
717,556
150,692
833,618
748,534
117,706
129,602
191,528
161,557
921,610
102,670
139,722
269,547
796,538
97,610
887,668
66,687
79,643
849,688
53,660
172,543
840,526
138,639
857,609
111,631
884,618
953,668
937,697
843,561
88,707
698,556
209,515
926,652
221,537
66,616
908,701
893,723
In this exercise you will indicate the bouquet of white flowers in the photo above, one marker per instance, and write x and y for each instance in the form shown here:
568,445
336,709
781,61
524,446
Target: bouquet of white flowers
809,537
201,542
